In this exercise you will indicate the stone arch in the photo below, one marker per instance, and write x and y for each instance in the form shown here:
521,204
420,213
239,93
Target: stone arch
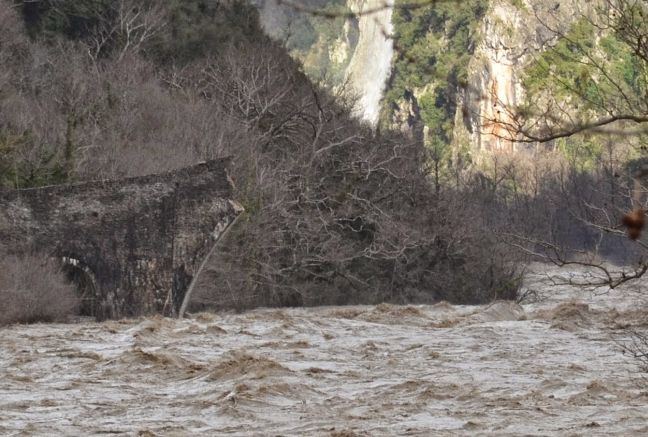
134,245
86,284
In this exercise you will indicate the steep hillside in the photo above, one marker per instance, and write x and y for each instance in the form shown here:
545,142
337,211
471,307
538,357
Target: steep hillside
462,71
336,213
370,64
512,35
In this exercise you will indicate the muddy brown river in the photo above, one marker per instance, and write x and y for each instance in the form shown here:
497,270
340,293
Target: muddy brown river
551,366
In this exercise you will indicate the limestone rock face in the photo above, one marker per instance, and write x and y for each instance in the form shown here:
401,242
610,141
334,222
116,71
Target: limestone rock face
512,33
136,242
358,58
498,82
370,65
407,119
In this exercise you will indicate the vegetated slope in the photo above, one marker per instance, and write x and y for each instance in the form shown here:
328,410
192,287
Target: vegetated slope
368,370
334,213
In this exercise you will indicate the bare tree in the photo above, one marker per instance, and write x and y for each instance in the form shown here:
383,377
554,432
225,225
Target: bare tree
335,213
34,289
332,208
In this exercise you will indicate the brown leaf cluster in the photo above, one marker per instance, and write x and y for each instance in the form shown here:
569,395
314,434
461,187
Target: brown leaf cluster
634,222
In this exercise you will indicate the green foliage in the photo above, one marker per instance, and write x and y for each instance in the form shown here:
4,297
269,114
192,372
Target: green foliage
561,71
582,154
313,37
434,46
44,168
435,41
436,117
591,72
597,78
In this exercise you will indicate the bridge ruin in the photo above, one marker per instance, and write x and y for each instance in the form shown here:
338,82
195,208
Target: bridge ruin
132,246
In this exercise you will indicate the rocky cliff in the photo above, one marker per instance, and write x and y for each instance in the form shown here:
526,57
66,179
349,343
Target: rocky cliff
494,87
370,65
456,72
351,52
512,34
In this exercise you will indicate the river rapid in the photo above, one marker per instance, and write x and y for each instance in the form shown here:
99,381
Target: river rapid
552,366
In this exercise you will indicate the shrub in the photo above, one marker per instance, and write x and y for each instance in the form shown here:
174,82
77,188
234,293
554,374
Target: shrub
33,289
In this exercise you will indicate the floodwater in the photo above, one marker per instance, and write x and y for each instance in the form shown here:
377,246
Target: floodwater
554,366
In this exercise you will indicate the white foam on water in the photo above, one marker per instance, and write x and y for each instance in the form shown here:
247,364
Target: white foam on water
553,367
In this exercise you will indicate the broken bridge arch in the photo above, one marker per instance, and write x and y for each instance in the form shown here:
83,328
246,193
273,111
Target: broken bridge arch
138,242
85,282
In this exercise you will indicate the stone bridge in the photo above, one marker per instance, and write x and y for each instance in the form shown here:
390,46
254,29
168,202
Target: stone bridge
133,245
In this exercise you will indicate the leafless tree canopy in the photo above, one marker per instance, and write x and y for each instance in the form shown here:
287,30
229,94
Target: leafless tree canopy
334,212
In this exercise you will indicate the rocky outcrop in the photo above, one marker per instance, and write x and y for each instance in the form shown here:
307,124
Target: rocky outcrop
497,84
407,117
370,65
135,244
358,57
512,33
